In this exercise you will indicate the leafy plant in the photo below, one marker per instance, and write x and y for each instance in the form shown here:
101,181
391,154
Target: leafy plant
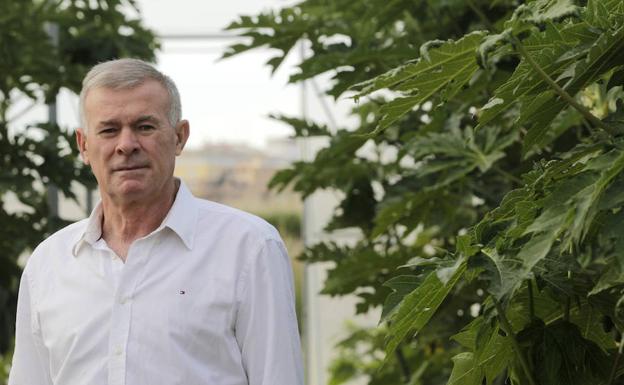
495,230
40,154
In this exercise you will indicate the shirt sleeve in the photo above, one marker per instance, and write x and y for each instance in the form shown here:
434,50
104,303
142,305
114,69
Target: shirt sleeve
30,359
266,323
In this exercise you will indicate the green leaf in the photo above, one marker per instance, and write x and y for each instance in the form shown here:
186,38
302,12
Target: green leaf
542,11
465,371
538,247
589,321
444,71
562,356
550,50
504,273
495,356
597,14
587,207
548,10
418,307
467,337
303,128
492,355
401,286
465,245
540,111
538,137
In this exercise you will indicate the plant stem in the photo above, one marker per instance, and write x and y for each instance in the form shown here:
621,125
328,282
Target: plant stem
566,314
403,364
504,322
508,175
481,16
531,301
616,363
560,91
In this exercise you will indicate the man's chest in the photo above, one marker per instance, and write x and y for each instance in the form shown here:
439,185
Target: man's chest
118,318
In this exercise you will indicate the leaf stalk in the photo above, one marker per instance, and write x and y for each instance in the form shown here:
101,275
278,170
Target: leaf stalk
560,91
506,325
481,15
508,175
531,301
568,303
405,370
616,362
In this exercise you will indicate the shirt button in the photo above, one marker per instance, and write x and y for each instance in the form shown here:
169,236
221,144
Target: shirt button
118,351
124,300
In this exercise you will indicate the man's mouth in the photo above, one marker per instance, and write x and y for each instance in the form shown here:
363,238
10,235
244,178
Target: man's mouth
129,168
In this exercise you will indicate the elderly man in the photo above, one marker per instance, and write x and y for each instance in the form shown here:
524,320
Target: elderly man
156,286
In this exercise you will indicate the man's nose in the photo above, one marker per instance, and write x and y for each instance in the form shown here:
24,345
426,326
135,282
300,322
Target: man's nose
128,142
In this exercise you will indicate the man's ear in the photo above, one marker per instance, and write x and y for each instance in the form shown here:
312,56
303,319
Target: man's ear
182,131
81,141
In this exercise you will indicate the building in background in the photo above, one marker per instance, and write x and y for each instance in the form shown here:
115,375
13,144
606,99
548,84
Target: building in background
238,175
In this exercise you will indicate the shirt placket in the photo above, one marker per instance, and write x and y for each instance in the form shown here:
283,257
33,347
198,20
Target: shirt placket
121,316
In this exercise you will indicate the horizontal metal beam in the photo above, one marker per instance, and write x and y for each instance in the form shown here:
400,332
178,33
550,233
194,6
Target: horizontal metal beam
198,36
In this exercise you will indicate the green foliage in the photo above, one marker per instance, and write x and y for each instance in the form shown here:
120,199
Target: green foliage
286,223
495,229
416,308
440,73
40,154
5,366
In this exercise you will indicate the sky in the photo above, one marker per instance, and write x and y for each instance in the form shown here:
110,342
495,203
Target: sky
226,101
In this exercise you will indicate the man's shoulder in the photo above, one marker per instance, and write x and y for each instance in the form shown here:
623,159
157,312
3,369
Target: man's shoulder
61,242
227,218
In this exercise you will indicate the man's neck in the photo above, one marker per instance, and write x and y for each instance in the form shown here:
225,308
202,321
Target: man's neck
125,222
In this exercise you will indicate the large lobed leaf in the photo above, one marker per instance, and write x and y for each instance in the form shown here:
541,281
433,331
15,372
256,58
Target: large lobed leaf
418,307
524,230
490,353
441,71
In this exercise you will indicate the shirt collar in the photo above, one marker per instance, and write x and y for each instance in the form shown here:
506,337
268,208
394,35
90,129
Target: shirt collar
92,232
181,219
183,216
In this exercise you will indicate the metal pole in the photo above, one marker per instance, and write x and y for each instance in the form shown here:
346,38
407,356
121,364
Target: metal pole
315,372
53,196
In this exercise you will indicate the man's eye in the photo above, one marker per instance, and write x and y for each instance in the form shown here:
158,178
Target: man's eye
107,131
146,127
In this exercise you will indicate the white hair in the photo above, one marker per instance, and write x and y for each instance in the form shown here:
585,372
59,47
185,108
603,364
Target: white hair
128,73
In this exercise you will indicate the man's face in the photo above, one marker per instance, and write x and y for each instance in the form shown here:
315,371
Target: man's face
130,144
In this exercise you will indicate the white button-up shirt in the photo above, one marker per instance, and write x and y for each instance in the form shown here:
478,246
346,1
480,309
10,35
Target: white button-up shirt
206,298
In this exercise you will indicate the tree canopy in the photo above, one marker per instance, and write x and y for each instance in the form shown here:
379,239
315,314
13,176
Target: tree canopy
491,237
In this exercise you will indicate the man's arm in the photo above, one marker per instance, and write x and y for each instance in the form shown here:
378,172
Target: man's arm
30,359
266,325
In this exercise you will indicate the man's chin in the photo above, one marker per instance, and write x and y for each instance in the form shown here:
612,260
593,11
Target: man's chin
131,190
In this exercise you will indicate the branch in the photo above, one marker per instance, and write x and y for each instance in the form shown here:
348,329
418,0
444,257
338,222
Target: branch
560,91
504,322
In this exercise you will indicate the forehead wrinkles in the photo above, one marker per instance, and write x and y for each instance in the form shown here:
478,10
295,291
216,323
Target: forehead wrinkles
106,103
